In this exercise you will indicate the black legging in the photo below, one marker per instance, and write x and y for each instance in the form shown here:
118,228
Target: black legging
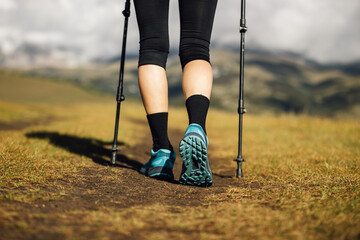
196,21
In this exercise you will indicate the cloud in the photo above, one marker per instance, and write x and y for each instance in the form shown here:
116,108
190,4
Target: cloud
324,30
6,5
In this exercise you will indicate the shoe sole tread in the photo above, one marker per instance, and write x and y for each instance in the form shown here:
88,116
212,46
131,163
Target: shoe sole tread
194,155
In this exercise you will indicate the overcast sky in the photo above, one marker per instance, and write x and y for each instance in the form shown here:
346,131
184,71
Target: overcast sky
323,30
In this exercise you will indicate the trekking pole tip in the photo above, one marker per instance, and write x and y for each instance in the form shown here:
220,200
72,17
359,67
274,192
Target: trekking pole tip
239,172
113,158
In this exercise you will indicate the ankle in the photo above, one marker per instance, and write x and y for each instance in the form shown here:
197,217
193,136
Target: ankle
157,146
197,107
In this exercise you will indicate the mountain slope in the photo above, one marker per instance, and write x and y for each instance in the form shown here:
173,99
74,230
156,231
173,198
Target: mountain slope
274,83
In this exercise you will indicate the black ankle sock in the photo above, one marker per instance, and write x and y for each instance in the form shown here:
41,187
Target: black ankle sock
158,123
197,107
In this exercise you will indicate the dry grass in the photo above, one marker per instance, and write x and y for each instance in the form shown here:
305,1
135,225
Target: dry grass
302,178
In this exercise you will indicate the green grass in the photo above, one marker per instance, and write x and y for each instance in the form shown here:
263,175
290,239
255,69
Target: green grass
302,176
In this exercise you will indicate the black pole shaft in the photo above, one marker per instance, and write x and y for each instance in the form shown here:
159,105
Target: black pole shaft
241,108
119,95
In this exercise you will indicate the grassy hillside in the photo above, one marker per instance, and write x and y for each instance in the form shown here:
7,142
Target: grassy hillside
302,178
20,88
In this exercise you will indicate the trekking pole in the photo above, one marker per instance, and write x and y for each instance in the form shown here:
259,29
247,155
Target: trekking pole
120,96
241,108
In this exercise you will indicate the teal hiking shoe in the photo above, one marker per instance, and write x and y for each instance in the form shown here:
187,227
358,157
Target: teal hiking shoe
160,164
193,151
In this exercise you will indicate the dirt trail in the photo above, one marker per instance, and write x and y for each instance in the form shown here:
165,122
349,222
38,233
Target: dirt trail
93,188
133,188
22,124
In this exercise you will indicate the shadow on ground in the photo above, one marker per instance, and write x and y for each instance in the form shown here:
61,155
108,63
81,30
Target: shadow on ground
89,147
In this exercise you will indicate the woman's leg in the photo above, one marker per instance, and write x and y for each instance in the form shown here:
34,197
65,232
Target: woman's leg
197,78
152,17
197,85
153,88
196,17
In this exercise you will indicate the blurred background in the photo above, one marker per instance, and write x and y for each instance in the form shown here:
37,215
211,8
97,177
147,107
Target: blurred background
302,57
